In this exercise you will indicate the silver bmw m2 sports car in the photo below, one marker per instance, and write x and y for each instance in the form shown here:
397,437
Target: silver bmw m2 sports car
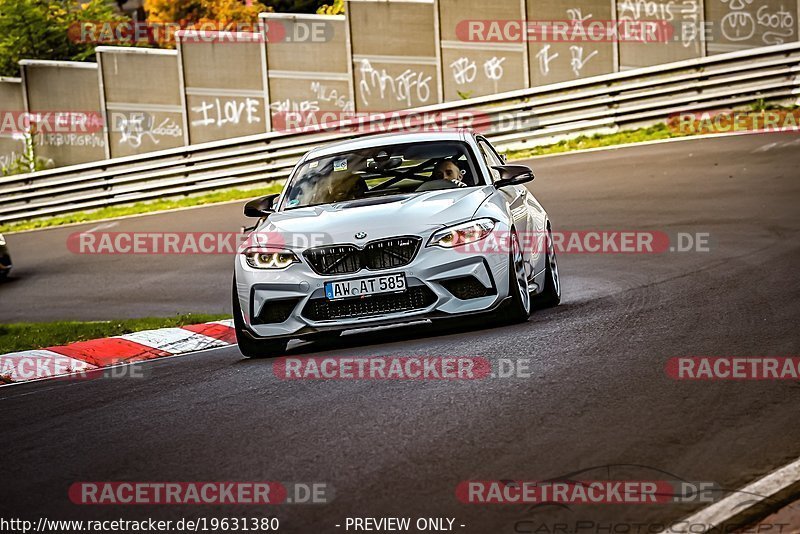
392,229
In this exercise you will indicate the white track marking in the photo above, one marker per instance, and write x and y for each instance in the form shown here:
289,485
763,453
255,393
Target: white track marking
102,226
738,504
41,363
174,340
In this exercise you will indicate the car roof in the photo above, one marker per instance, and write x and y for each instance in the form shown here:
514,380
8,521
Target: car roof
387,139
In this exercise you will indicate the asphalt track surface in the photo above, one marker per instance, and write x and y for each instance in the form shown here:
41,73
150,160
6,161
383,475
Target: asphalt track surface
598,403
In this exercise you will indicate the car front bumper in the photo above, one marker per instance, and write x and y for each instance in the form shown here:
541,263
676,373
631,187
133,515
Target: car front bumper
299,293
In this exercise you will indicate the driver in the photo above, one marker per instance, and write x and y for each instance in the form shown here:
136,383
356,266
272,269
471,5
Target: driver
447,170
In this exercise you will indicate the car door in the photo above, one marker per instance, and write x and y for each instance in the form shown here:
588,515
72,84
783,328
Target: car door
517,197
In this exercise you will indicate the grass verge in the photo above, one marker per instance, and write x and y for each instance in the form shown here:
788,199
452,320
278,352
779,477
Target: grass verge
721,121
651,133
138,208
25,336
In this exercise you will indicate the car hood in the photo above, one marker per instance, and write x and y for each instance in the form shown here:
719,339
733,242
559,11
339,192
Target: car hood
414,214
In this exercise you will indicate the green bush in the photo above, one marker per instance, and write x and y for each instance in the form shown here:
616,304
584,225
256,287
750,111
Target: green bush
26,162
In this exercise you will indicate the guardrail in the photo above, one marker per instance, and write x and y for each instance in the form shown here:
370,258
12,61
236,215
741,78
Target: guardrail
608,101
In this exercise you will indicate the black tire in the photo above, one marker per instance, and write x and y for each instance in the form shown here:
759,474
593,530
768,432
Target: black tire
249,347
519,308
551,294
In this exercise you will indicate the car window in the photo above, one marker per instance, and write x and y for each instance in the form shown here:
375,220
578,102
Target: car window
490,158
381,171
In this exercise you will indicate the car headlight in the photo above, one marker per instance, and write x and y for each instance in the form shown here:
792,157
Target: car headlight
261,258
462,234
2,240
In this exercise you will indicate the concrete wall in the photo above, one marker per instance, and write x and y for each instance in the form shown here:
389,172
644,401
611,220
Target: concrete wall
67,97
224,83
141,92
473,67
307,68
385,55
685,41
12,127
740,24
558,60
395,54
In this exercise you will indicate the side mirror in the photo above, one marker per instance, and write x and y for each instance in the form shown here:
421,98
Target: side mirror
512,175
260,207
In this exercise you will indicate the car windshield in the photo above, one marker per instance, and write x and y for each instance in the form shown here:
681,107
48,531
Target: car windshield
382,171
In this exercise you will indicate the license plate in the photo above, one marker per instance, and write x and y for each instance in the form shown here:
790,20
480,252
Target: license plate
389,283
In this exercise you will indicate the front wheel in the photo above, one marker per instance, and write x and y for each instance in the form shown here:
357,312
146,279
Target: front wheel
551,294
518,287
249,347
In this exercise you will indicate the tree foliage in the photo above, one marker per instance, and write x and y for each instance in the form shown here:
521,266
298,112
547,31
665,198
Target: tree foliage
186,12
207,14
44,29
336,8
49,29
297,6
